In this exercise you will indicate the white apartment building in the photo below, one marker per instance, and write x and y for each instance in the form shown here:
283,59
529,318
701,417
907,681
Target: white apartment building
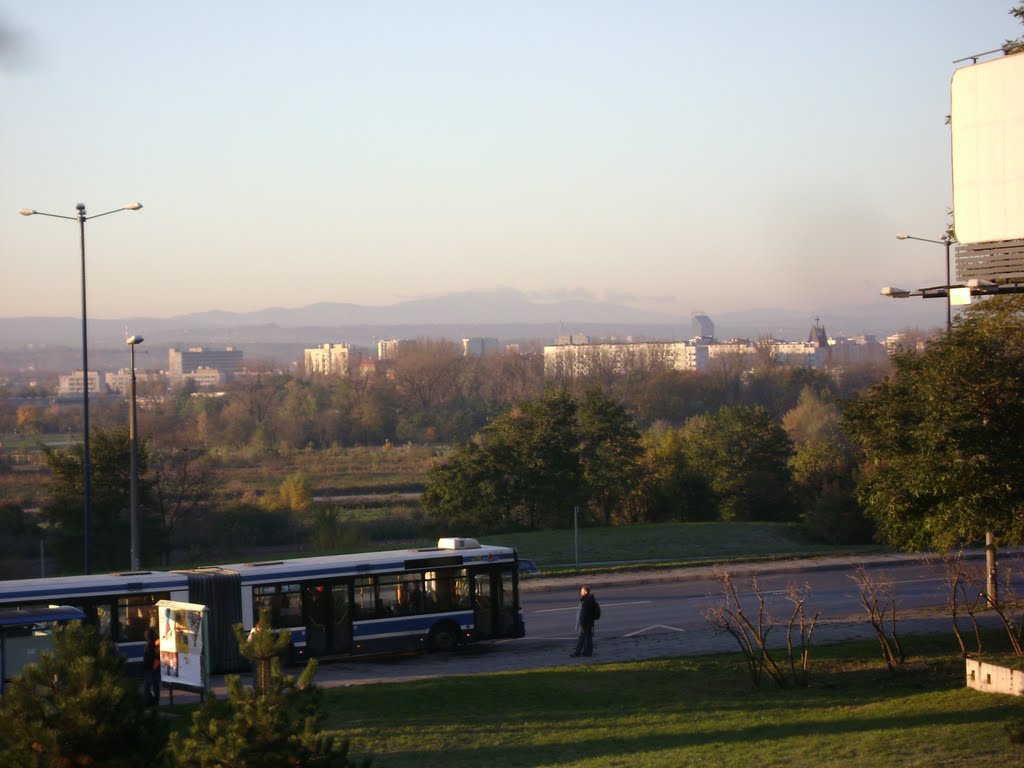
122,380
582,359
74,384
388,349
327,360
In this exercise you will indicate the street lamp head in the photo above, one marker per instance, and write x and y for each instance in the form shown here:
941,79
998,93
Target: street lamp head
133,340
26,211
133,206
895,293
902,236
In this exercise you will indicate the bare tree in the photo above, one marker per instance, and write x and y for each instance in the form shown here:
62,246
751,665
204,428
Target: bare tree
751,633
182,483
878,596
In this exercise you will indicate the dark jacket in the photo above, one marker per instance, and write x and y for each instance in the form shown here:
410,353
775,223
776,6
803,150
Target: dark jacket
588,610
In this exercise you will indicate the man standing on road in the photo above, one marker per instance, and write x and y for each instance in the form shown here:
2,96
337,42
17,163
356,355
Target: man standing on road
589,612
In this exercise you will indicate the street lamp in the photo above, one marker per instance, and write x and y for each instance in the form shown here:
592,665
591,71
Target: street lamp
81,218
944,241
133,439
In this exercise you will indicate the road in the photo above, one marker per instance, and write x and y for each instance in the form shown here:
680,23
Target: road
661,614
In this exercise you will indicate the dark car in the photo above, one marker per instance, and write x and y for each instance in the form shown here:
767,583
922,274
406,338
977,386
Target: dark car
527,567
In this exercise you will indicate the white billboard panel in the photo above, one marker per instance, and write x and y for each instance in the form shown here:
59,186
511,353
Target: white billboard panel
184,656
987,117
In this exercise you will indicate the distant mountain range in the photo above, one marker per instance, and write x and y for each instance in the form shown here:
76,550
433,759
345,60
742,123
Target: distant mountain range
506,314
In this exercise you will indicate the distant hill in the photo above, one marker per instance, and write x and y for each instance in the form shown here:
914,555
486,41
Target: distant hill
281,333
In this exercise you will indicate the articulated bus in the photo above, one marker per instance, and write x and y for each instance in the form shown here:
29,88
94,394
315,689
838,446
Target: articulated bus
415,599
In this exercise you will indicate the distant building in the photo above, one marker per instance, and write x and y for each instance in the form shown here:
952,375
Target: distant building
389,349
478,347
328,360
205,377
122,380
703,328
582,359
74,384
181,363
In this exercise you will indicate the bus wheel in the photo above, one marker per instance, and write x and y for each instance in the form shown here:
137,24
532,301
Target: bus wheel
444,637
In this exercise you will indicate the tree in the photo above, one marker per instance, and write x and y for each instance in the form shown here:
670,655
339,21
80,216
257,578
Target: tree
276,723
610,453
743,455
942,436
182,484
1015,46
669,488
534,451
523,470
109,458
76,707
824,466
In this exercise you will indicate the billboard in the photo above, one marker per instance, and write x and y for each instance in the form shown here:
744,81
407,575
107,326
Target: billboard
184,650
987,120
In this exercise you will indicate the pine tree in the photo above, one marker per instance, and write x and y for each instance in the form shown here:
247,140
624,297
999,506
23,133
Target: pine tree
76,707
274,724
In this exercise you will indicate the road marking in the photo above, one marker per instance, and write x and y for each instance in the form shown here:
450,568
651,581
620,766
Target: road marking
656,626
603,605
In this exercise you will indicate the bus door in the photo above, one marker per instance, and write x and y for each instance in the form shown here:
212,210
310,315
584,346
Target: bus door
328,617
494,607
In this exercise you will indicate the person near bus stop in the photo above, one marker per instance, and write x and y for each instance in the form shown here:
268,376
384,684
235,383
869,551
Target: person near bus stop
586,615
150,668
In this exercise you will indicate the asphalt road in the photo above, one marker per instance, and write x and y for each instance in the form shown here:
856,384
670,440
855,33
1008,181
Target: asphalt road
658,614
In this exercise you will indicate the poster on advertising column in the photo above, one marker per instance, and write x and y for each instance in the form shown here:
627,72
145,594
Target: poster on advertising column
184,649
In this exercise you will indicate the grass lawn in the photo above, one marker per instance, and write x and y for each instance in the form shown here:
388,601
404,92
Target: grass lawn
694,711
671,542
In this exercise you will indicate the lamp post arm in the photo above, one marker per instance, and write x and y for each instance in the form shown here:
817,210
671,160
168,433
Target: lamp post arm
29,212
107,213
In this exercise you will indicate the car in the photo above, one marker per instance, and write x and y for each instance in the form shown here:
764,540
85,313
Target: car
528,567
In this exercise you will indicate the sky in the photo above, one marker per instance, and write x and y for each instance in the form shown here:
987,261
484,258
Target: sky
672,155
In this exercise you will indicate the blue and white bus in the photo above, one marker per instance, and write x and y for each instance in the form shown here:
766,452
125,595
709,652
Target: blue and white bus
432,598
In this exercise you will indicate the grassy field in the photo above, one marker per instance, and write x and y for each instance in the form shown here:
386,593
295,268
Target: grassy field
671,543
699,711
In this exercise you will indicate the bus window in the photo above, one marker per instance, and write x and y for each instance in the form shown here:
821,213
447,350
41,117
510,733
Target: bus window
410,591
447,590
389,595
99,615
135,613
284,602
365,602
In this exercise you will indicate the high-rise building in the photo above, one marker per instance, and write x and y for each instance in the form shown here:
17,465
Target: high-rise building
179,363
327,360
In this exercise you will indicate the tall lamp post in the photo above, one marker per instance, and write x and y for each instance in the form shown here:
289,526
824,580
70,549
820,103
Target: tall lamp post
133,439
946,242
81,218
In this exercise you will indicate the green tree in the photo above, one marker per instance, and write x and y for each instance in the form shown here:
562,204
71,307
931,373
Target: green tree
110,462
610,453
534,454
76,707
274,724
462,493
669,488
824,468
942,436
1017,45
743,455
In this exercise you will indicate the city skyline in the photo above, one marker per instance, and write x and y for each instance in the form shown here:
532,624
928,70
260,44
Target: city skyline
661,156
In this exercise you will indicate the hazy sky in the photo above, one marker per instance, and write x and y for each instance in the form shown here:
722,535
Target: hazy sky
676,155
